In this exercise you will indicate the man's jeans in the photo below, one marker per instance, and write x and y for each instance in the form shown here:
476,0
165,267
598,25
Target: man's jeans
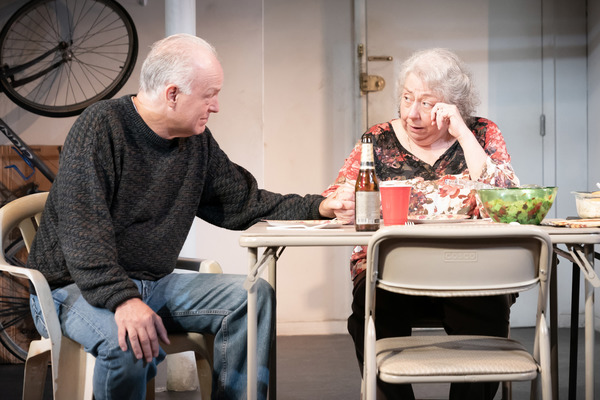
206,303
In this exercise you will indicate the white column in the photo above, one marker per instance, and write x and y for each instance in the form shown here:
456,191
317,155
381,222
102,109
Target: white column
180,17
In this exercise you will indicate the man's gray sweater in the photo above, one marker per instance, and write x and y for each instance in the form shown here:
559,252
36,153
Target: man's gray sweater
124,200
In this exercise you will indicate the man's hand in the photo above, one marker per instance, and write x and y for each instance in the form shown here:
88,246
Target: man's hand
143,326
339,205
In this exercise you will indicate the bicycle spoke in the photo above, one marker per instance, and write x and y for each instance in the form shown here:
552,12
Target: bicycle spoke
16,324
15,319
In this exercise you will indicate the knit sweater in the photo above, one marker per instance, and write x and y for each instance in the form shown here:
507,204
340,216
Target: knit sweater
124,200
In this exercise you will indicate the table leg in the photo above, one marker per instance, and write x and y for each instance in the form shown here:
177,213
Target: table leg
554,328
272,276
252,389
574,332
589,329
583,256
269,258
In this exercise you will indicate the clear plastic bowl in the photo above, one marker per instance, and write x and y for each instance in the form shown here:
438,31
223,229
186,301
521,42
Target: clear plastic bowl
588,204
523,205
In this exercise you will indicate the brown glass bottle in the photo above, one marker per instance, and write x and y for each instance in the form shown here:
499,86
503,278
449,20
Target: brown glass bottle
366,191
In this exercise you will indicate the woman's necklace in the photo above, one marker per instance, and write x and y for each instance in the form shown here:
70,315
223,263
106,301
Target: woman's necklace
409,142
398,130
429,155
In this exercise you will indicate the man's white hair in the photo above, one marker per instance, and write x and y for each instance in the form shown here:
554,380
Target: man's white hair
171,61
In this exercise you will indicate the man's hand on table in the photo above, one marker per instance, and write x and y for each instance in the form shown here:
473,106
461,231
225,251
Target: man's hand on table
143,327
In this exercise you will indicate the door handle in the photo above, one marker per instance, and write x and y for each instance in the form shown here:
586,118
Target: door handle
380,58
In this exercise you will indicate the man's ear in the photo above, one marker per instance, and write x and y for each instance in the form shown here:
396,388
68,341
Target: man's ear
172,93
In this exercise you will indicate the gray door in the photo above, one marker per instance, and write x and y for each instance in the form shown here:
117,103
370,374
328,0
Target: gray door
501,42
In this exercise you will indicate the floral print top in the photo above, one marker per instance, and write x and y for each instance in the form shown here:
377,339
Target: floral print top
442,188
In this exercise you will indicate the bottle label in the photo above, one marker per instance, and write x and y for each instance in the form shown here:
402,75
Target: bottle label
366,156
368,209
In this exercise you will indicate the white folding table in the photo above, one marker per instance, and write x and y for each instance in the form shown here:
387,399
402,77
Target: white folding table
580,249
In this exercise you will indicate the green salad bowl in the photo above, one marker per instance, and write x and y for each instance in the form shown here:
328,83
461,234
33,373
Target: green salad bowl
523,205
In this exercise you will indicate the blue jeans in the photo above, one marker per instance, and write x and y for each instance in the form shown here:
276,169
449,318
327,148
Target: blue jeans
206,303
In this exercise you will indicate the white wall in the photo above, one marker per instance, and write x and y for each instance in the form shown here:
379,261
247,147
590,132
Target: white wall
307,133
286,117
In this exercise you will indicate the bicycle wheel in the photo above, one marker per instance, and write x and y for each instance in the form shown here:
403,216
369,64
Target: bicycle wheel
57,57
17,329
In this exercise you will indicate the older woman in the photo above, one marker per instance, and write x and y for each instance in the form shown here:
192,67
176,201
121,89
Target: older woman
444,152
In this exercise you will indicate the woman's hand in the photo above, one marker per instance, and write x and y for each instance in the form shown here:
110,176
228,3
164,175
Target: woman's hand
447,116
340,204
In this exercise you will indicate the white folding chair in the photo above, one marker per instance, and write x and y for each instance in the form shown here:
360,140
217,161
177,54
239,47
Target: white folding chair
457,260
72,368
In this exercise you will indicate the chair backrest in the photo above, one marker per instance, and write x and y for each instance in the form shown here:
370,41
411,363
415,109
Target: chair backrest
67,358
459,259
23,213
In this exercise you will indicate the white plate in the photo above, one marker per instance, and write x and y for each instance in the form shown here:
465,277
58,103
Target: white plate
438,219
304,224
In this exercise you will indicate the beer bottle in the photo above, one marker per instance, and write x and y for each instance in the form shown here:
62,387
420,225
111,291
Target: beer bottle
366,191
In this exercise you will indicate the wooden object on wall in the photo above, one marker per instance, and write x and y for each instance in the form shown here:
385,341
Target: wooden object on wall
12,184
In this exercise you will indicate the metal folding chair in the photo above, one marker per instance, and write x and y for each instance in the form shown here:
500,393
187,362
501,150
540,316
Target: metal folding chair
457,260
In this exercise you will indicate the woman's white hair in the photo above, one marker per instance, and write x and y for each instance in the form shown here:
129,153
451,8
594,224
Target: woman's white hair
171,61
444,74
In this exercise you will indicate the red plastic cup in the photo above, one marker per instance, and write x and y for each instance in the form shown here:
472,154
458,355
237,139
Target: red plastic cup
395,197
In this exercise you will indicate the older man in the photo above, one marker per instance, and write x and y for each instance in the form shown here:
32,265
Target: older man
134,173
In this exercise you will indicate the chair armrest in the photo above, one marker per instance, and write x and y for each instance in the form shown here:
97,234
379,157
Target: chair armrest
44,294
199,265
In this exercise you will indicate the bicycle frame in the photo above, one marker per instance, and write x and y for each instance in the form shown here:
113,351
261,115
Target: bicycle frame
8,73
25,151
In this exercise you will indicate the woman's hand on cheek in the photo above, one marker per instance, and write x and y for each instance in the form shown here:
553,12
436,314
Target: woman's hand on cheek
447,116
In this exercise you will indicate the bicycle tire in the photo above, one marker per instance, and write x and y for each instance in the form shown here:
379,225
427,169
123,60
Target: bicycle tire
17,329
57,57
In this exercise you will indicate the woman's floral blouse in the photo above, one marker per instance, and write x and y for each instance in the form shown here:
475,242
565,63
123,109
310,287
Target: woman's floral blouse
442,188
